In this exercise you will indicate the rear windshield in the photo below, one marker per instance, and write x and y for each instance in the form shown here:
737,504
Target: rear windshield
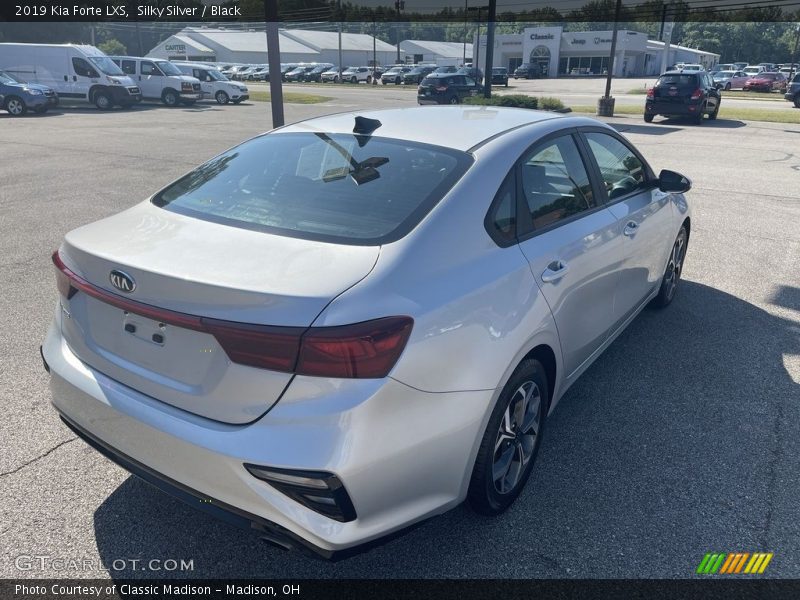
319,186
677,80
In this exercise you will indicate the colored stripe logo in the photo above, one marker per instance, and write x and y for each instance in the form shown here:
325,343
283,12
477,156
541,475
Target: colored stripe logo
733,563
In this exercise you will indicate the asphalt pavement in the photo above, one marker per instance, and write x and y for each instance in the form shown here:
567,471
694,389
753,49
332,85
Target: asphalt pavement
682,439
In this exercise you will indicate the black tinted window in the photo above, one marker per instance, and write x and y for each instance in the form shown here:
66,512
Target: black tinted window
502,221
319,186
83,68
555,182
679,80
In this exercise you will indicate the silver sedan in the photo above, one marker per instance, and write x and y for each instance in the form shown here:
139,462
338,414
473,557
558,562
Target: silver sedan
353,323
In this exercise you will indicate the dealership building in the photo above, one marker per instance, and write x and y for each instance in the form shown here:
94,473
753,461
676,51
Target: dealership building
562,53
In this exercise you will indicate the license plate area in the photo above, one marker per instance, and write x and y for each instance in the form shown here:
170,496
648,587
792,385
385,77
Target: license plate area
147,330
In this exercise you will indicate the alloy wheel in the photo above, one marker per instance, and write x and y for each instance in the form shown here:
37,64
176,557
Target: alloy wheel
675,264
516,437
15,107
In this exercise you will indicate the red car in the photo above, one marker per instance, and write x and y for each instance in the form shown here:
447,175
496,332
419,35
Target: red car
766,82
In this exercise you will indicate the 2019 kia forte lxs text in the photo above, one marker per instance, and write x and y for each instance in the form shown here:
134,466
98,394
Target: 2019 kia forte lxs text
347,325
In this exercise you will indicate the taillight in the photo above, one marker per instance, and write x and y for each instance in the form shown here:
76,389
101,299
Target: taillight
697,94
649,92
362,350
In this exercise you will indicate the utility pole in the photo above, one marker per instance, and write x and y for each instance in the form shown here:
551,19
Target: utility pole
487,72
605,105
399,6
340,42
466,10
374,51
792,70
476,52
274,60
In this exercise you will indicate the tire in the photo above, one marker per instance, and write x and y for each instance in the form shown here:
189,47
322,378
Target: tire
672,274
354,79
170,98
506,83
511,441
453,100
797,101
698,118
103,101
713,116
648,118
239,101
221,97
369,80
397,81
336,79
728,86
15,106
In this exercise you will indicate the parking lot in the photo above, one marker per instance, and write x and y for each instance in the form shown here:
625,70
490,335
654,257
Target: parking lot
681,439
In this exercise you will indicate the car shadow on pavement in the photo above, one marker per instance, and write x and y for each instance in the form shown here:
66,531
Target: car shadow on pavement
717,123
681,439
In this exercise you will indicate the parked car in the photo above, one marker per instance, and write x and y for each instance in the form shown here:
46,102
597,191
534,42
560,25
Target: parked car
213,84
74,72
363,378
768,66
527,71
729,80
159,79
766,82
753,70
299,73
331,75
739,66
446,89
315,75
500,76
357,74
683,94
394,75
471,73
257,73
793,91
444,70
417,74
722,67
18,97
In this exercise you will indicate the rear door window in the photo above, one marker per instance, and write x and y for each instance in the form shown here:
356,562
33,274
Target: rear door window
328,187
128,67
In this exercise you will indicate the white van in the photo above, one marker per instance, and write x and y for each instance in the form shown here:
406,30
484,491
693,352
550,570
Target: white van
75,72
213,83
159,79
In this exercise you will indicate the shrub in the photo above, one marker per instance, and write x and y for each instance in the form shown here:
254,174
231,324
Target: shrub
550,103
513,100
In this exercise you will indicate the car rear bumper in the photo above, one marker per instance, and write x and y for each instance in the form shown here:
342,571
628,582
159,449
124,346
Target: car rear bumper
401,454
673,109
429,100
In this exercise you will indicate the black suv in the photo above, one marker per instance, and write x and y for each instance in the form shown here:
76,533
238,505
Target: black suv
683,94
417,74
527,71
793,91
500,76
472,73
446,89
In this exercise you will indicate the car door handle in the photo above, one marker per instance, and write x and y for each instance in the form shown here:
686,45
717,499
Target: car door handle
554,271
631,227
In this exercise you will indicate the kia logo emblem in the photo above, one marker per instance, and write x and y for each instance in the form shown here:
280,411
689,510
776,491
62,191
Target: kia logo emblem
122,281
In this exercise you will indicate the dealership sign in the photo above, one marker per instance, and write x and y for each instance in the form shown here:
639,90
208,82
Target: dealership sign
175,47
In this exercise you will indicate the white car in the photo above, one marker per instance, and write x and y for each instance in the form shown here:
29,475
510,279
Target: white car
214,84
160,80
353,323
753,70
357,74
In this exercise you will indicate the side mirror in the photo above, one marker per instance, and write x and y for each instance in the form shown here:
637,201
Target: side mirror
670,181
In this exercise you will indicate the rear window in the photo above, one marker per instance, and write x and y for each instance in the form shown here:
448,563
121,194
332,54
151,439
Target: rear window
679,80
317,186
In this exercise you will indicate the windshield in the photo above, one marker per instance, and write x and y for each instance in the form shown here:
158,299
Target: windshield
168,68
216,75
7,79
498,71
677,80
328,187
106,65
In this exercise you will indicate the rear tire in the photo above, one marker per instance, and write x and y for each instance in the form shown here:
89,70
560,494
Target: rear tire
453,100
727,87
511,441
713,115
103,101
648,118
672,274
797,101
221,97
15,106
698,118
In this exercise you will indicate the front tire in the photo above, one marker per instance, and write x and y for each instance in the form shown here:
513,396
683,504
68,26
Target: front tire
672,274
16,107
727,87
511,441
221,97
103,101
170,98
648,118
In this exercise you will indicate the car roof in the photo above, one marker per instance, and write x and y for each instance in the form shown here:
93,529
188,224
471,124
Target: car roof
457,127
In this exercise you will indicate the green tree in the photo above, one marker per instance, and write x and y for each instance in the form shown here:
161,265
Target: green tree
113,47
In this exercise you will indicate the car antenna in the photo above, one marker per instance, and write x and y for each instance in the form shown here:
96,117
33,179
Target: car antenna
365,126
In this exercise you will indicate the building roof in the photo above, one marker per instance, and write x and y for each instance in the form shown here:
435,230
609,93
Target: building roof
444,49
656,45
329,40
244,41
190,42
466,127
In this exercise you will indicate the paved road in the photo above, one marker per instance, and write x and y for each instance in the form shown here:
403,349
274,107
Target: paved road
683,438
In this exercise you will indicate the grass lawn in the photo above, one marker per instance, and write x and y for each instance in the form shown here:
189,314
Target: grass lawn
743,114
290,97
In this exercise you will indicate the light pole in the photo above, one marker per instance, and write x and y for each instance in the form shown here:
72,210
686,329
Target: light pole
794,53
274,59
487,72
340,42
399,6
605,105
466,10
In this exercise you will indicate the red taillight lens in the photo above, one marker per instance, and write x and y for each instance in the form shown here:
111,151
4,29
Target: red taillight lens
261,346
697,94
649,92
363,350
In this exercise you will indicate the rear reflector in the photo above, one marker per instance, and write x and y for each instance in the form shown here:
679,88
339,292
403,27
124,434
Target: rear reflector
361,350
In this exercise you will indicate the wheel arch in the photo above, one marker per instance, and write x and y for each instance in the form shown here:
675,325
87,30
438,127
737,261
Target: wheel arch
547,357
95,89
